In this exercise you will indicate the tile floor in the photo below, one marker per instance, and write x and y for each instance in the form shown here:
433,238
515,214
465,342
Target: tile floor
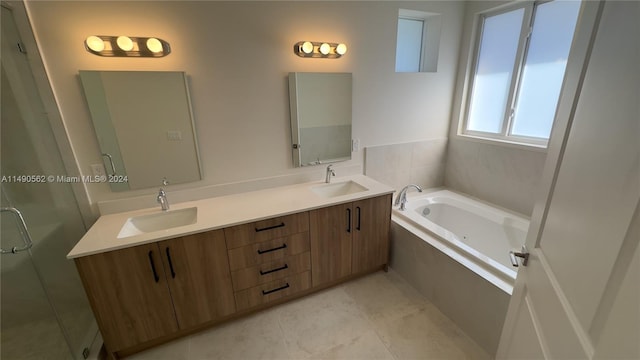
378,316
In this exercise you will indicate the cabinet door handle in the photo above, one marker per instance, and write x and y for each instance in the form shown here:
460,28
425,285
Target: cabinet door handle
274,270
283,246
173,273
270,227
276,289
153,267
348,220
358,226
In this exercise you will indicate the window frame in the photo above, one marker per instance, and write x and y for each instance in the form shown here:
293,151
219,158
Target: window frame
505,136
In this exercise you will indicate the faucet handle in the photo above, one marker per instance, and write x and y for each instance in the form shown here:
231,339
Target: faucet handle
165,182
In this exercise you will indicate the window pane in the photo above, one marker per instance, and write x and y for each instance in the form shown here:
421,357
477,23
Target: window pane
498,48
543,72
409,45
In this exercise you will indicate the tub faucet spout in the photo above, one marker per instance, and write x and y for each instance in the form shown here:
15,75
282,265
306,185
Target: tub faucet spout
401,200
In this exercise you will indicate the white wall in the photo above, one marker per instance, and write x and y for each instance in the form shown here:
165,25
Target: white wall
505,175
237,56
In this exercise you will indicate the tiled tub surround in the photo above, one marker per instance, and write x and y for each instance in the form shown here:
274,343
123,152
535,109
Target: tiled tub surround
421,163
501,174
471,286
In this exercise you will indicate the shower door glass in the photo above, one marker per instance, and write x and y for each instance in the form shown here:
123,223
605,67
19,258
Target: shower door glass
45,313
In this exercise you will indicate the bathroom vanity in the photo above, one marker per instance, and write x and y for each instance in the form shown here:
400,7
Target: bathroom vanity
237,255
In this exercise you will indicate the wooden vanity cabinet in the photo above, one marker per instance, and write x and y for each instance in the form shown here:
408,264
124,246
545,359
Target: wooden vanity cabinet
269,259
372,223
197,270
330,234
149,291
129,295
349,238
147,294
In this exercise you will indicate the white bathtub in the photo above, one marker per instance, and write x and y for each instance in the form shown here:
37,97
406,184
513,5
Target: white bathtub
455,251
474,234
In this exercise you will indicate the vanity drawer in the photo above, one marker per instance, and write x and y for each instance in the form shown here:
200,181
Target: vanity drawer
259,231
272,290
268,251
256,275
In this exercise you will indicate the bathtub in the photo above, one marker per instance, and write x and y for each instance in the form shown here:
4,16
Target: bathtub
475,234
455,251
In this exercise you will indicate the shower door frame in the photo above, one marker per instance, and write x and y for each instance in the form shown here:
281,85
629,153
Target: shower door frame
50,104
41,88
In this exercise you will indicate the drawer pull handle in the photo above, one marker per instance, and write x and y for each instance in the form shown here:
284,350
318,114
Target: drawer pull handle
173,273
274,270
283,246
153,267
359,211
270,227
348,220
276,289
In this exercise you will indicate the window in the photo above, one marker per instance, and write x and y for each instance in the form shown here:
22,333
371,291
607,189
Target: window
409,48
519,67
418,41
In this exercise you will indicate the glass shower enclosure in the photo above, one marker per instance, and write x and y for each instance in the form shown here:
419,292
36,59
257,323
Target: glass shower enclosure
44,310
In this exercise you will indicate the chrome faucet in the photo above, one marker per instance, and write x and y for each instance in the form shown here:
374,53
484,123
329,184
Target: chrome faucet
329,174
402,196
162,196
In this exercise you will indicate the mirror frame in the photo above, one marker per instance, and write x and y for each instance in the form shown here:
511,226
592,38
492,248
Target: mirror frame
298,111
105,130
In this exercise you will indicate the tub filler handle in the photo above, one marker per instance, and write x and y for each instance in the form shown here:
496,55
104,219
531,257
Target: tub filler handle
524,255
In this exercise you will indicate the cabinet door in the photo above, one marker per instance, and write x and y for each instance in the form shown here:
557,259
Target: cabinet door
129,295
198,274
371,223
330,232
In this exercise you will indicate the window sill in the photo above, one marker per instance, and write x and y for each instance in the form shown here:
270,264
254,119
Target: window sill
502,142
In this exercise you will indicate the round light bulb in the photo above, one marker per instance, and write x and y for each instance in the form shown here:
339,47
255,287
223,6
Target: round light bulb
341,49
124,43
94,43
307,47
154,45
325,49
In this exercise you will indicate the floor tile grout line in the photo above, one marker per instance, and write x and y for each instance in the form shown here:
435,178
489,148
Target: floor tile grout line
388,348
352,292
278,311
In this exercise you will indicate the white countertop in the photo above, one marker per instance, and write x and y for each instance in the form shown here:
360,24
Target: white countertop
221,212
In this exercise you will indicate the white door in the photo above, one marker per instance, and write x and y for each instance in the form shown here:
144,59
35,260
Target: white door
579,295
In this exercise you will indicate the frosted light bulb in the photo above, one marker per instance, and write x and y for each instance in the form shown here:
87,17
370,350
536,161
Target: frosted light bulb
124,43
325,49
307,47
94,43
154,45
341,49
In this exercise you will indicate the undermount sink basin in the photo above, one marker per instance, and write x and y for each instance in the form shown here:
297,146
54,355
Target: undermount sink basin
338,189
159,221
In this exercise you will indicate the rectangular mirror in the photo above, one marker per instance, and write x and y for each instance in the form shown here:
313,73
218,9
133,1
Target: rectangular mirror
320,117
144,125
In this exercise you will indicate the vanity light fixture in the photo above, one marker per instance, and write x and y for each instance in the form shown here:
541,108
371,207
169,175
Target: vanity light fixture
314,49
126,46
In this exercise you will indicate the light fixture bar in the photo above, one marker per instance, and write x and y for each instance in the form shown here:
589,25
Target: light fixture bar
127,46
314,49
